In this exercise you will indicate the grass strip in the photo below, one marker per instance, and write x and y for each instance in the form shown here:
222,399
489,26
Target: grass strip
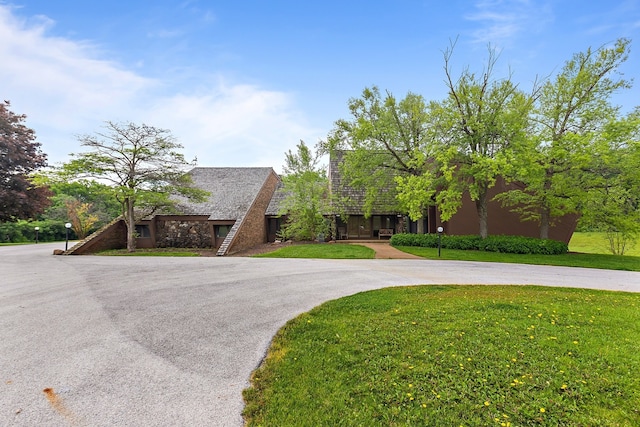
608,262
322,251
168,252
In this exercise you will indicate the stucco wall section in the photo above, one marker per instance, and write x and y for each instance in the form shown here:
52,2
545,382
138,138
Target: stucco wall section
253,230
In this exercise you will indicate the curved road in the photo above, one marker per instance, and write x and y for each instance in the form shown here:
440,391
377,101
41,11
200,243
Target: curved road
131,341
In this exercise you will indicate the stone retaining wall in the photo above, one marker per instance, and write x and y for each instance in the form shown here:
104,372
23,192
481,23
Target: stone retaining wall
184,234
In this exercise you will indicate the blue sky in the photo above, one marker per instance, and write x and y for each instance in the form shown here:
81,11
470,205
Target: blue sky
241,82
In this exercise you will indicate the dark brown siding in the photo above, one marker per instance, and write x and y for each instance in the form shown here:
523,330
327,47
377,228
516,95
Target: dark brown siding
502,221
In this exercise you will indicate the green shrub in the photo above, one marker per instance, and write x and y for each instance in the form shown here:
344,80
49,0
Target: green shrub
24,231
423,240
504,244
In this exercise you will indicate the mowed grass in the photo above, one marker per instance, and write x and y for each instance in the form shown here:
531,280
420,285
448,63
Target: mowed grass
323,251
609,262
455,355
597,243
354,251
167,252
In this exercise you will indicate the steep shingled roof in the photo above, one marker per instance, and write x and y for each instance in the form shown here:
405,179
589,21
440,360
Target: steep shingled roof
351,199
233,190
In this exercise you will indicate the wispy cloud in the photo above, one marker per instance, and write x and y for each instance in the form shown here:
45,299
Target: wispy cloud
500,21
239,125
68,87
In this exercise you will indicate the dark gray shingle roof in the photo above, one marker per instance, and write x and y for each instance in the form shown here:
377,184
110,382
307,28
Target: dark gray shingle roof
233,190
276,201
351,199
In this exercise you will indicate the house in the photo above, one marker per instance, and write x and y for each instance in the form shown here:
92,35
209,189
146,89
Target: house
230,220
243,210
385,219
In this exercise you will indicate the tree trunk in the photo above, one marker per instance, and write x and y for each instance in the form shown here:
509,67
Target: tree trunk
544,223
483,216
131,226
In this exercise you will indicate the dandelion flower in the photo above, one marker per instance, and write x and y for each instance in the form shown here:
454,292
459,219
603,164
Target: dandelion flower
542,410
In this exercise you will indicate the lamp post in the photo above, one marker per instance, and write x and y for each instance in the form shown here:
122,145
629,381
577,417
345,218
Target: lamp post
37,230
440,230
66,244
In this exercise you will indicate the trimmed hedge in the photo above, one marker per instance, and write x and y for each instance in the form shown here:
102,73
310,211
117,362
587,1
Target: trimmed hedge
504,244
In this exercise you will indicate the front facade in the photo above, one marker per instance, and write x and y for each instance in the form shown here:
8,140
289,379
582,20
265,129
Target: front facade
244,205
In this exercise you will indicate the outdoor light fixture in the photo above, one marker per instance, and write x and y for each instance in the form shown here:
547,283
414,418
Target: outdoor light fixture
440,230
37,229
66,244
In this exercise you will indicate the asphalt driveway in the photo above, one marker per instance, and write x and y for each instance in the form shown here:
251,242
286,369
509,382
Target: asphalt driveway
132,341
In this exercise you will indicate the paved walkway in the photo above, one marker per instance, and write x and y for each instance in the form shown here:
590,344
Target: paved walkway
385,251
154,341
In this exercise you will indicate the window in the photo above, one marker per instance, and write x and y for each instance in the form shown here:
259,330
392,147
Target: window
142,230
222,231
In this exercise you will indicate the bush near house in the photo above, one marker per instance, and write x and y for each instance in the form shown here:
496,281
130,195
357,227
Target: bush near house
503,244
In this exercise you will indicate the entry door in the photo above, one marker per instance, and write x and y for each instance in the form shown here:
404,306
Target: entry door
359,228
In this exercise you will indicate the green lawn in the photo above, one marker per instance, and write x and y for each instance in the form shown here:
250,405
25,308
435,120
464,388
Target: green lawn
341,251
324,251
596,243
609,262
168,252
455,355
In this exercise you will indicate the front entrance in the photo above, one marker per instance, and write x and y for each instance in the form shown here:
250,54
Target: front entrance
359,227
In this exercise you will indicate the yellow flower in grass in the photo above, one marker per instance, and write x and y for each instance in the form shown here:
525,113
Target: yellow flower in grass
543,410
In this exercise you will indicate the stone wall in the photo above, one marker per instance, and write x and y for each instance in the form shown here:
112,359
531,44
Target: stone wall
183,233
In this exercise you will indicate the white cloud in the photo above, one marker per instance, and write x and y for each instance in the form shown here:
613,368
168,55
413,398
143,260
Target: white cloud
502,20
233,125
67,88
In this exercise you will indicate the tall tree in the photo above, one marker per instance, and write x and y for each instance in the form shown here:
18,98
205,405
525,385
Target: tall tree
483,126
387,145
571,110
143,165
20,155
612,203
306,194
